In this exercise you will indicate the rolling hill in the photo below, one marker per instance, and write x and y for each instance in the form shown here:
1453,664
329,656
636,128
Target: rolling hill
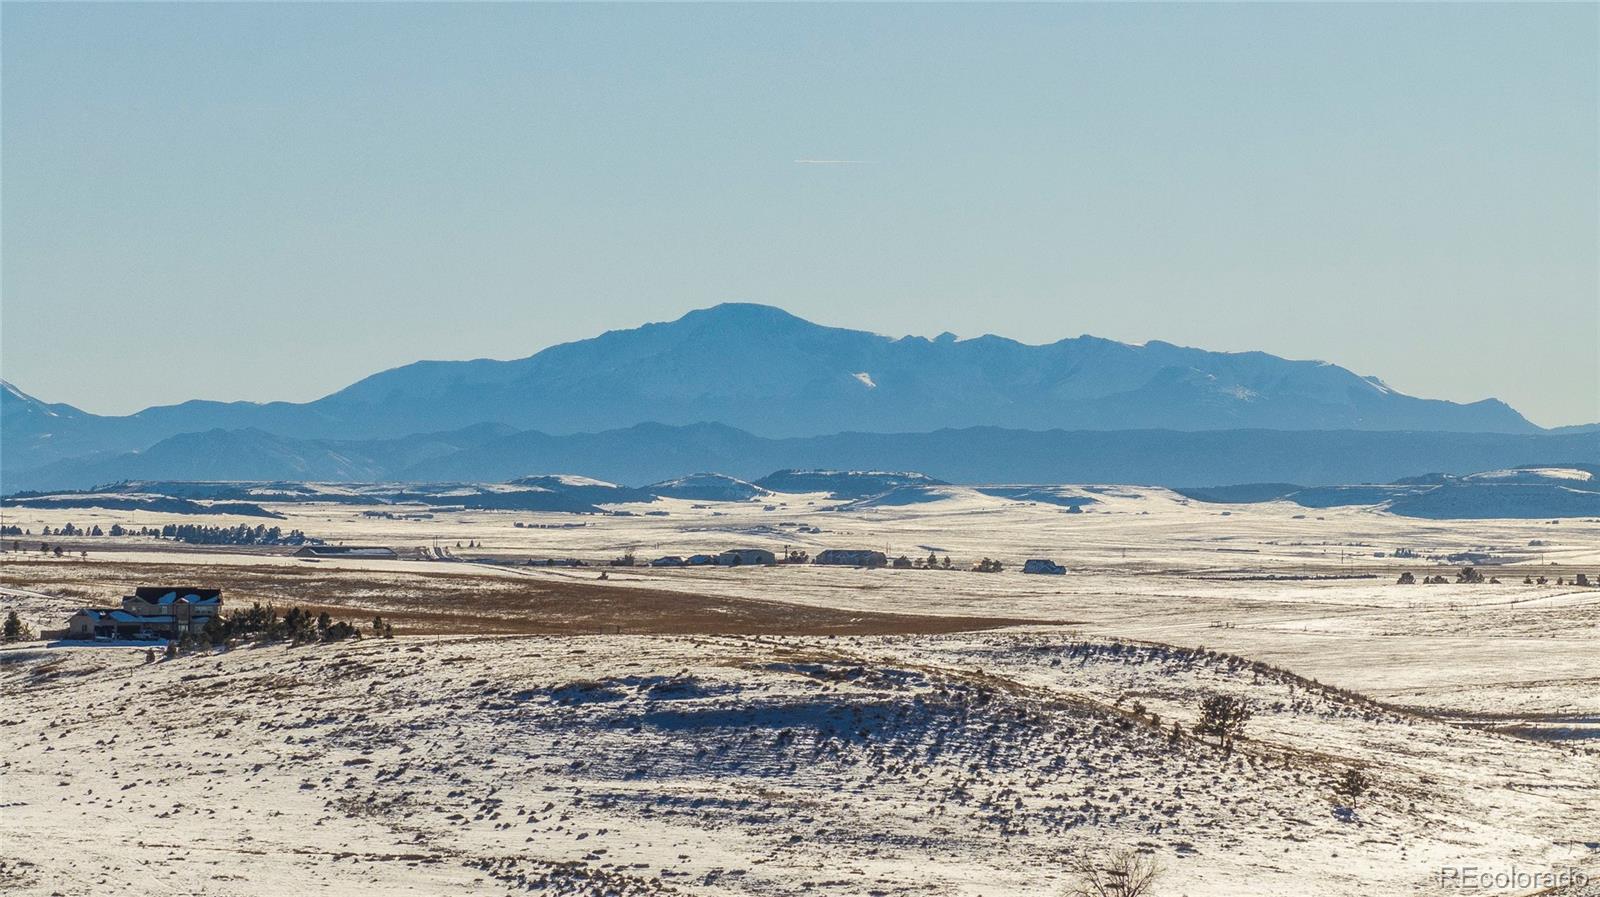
654,453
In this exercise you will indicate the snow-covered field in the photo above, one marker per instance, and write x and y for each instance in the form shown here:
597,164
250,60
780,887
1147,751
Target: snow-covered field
687,759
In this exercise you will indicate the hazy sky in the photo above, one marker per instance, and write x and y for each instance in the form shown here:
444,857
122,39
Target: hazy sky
270,202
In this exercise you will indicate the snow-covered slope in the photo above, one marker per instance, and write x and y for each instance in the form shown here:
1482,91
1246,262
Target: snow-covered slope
707,487
1571,490
846,483
962,765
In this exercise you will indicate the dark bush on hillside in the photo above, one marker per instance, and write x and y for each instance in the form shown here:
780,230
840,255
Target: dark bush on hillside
1223,716
1351,785
299,626
16,630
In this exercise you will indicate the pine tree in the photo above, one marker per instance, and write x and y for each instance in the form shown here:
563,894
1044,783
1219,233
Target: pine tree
1223,716
1351,785
15,630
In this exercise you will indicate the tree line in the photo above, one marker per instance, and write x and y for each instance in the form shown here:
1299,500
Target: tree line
243,534
263,625
193,533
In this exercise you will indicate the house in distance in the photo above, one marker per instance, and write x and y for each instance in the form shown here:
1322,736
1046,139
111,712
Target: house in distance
150,612
741,557
378,552
852,557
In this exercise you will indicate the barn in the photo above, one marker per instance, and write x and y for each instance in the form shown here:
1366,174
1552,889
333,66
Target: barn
378,552
852,557
741,557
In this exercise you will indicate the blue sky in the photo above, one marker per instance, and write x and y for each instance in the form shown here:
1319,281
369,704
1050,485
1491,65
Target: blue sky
270,201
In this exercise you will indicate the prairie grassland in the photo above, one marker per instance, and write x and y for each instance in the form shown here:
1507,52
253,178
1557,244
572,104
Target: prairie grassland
802,729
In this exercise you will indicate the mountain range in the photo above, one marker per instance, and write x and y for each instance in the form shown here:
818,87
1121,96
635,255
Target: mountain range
650,453
775,386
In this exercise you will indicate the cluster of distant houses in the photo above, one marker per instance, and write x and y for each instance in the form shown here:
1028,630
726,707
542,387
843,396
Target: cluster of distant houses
733,557
760,557
835,557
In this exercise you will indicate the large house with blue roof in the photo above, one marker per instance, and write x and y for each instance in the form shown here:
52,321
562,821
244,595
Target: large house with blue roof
150,612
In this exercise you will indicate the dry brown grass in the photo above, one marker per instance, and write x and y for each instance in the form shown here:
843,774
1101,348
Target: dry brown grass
462,603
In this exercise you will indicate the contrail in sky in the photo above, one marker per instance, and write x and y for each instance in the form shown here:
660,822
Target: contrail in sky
835,162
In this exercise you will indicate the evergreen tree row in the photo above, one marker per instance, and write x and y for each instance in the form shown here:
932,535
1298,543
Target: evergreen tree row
264,625
243,534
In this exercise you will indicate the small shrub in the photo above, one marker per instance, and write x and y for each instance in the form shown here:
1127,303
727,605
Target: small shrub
1351,785
1122,873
